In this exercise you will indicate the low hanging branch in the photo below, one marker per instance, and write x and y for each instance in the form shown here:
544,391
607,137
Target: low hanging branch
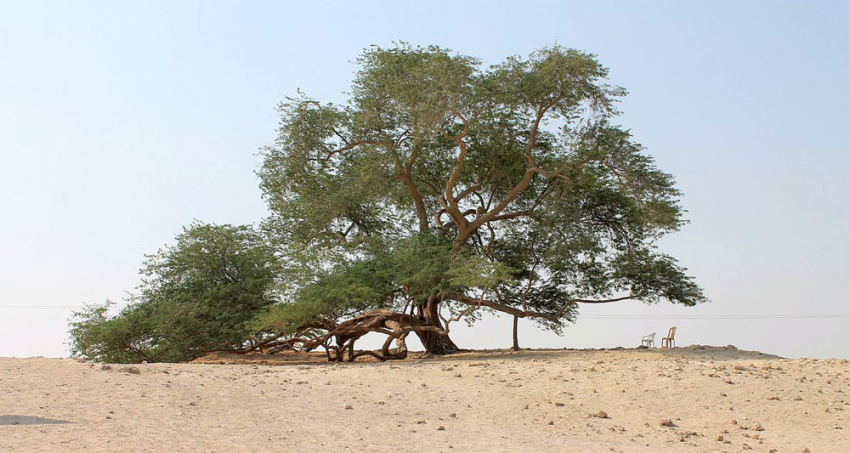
478,302
339,339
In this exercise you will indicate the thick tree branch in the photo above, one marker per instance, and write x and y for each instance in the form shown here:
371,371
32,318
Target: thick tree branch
467,230
452,208
469,190
404,173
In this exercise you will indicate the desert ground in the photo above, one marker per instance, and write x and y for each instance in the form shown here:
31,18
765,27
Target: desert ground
697,399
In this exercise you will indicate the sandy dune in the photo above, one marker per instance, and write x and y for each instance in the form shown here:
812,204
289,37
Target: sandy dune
688,399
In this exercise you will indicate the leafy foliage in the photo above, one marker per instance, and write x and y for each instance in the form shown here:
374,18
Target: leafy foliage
122,339
441,189
198,295
506,188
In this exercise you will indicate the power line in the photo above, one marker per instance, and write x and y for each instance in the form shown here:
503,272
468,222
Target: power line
650,317
781,316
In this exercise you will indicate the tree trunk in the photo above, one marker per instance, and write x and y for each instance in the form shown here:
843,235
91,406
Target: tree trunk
516,337
434,342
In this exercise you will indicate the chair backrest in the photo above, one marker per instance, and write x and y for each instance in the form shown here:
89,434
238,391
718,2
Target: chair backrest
672,333
652,336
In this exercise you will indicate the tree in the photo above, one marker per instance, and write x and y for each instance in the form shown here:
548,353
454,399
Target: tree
443,188
199,295
125,338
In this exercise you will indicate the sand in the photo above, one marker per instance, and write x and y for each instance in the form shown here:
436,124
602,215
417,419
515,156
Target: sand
687,399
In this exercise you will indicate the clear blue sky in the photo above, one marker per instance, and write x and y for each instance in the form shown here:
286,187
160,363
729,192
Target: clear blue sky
122,121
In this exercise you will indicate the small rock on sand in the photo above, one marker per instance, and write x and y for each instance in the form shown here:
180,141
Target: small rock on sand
666,422
601,414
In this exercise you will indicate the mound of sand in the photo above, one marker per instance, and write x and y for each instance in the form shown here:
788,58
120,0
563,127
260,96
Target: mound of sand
691,399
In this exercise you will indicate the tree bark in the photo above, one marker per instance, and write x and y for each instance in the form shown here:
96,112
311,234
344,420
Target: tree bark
434,342
516,337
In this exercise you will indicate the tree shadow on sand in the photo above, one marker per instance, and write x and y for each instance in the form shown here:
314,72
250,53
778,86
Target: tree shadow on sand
29,420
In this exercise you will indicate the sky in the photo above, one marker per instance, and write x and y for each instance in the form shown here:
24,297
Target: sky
121,122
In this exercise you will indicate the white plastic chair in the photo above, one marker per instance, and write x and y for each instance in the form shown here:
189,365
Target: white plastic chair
648,340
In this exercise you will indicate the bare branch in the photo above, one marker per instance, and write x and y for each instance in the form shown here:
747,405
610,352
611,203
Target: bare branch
533,314
347,147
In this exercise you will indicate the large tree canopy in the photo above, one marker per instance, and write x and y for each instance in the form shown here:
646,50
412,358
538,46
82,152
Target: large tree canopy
443,188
